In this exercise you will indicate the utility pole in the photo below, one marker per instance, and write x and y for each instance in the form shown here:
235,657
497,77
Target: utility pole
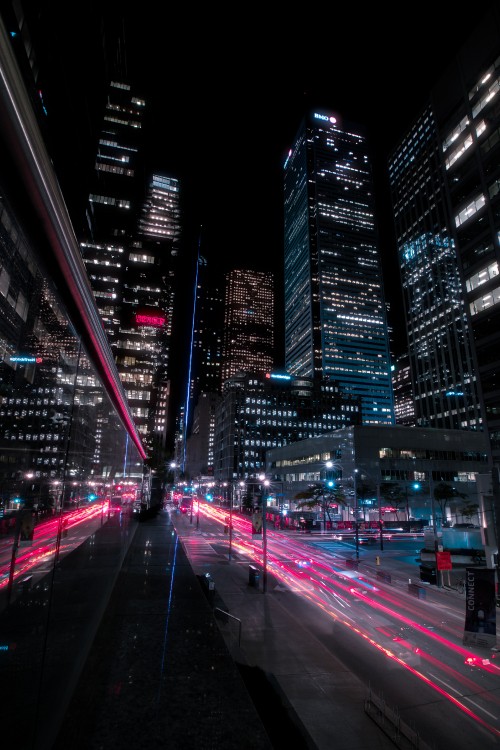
380,524
356,528
264,485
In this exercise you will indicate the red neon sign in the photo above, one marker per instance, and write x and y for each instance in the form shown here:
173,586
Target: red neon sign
156,321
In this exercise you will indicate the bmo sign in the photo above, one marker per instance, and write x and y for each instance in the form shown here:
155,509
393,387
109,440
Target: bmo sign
325,118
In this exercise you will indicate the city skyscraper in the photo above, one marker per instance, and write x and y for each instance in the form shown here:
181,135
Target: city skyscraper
115,200
248,344
447,227
445,388
404,403
207,332
143,344
130,250
257,412
445,186
335,315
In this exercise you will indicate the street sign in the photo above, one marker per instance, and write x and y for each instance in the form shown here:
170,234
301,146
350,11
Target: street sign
443,560
257,523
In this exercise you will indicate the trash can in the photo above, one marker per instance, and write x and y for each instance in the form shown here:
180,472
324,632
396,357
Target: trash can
428,574
208,585
253,576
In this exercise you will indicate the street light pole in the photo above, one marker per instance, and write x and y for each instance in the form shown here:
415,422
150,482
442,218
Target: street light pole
265,483
230,522
379,501
356,529
434,531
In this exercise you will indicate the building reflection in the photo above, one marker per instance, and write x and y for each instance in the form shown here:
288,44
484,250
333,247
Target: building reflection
67,436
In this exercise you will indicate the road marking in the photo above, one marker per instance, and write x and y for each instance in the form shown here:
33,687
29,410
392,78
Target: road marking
462,696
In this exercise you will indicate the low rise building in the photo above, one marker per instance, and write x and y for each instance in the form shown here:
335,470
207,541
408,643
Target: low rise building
390,472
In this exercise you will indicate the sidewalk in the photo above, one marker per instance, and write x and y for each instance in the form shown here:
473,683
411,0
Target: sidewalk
172,667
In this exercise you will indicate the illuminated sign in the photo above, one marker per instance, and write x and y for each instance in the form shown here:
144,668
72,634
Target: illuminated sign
325,118
156,321
276,376
25,360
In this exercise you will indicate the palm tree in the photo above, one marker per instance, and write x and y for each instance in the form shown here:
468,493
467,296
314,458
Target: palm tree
326,499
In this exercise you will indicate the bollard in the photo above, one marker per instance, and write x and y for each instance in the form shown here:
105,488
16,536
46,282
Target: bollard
377,560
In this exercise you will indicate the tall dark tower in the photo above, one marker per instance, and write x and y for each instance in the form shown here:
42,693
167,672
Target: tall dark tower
143,344
445,185
207,332
248,323
115,200
335,314
445,388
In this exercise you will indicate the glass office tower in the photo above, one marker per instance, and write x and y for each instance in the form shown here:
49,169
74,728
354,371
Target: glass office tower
439,338
335,315
445,181
445,185
143,344
116,197
248,344
130,251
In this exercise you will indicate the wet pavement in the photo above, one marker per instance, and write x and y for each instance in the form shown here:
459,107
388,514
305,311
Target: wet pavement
172,668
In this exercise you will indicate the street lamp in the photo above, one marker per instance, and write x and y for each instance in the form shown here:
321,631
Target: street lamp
380,523
331,481
265,483
356,529
242,484
330,484
434,531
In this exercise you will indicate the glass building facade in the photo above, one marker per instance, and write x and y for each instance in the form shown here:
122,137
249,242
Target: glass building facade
439,336
248,344
130,250
445,178
259,412
67,436
335,315
147,298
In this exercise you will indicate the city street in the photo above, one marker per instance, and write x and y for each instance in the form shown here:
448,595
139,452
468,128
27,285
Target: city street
404,647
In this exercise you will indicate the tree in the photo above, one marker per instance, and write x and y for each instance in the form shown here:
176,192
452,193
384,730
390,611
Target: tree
394,494
248,501
326,499
443,493
468,510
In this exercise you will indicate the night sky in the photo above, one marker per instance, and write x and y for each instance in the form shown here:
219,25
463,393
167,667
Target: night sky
227,88
233,94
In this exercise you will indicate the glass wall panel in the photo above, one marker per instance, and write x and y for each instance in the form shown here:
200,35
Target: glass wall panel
64,525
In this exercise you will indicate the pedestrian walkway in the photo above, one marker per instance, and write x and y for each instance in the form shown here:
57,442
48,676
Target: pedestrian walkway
159,674
189,655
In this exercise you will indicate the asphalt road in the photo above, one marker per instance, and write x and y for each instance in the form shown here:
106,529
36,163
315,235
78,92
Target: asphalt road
405,648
